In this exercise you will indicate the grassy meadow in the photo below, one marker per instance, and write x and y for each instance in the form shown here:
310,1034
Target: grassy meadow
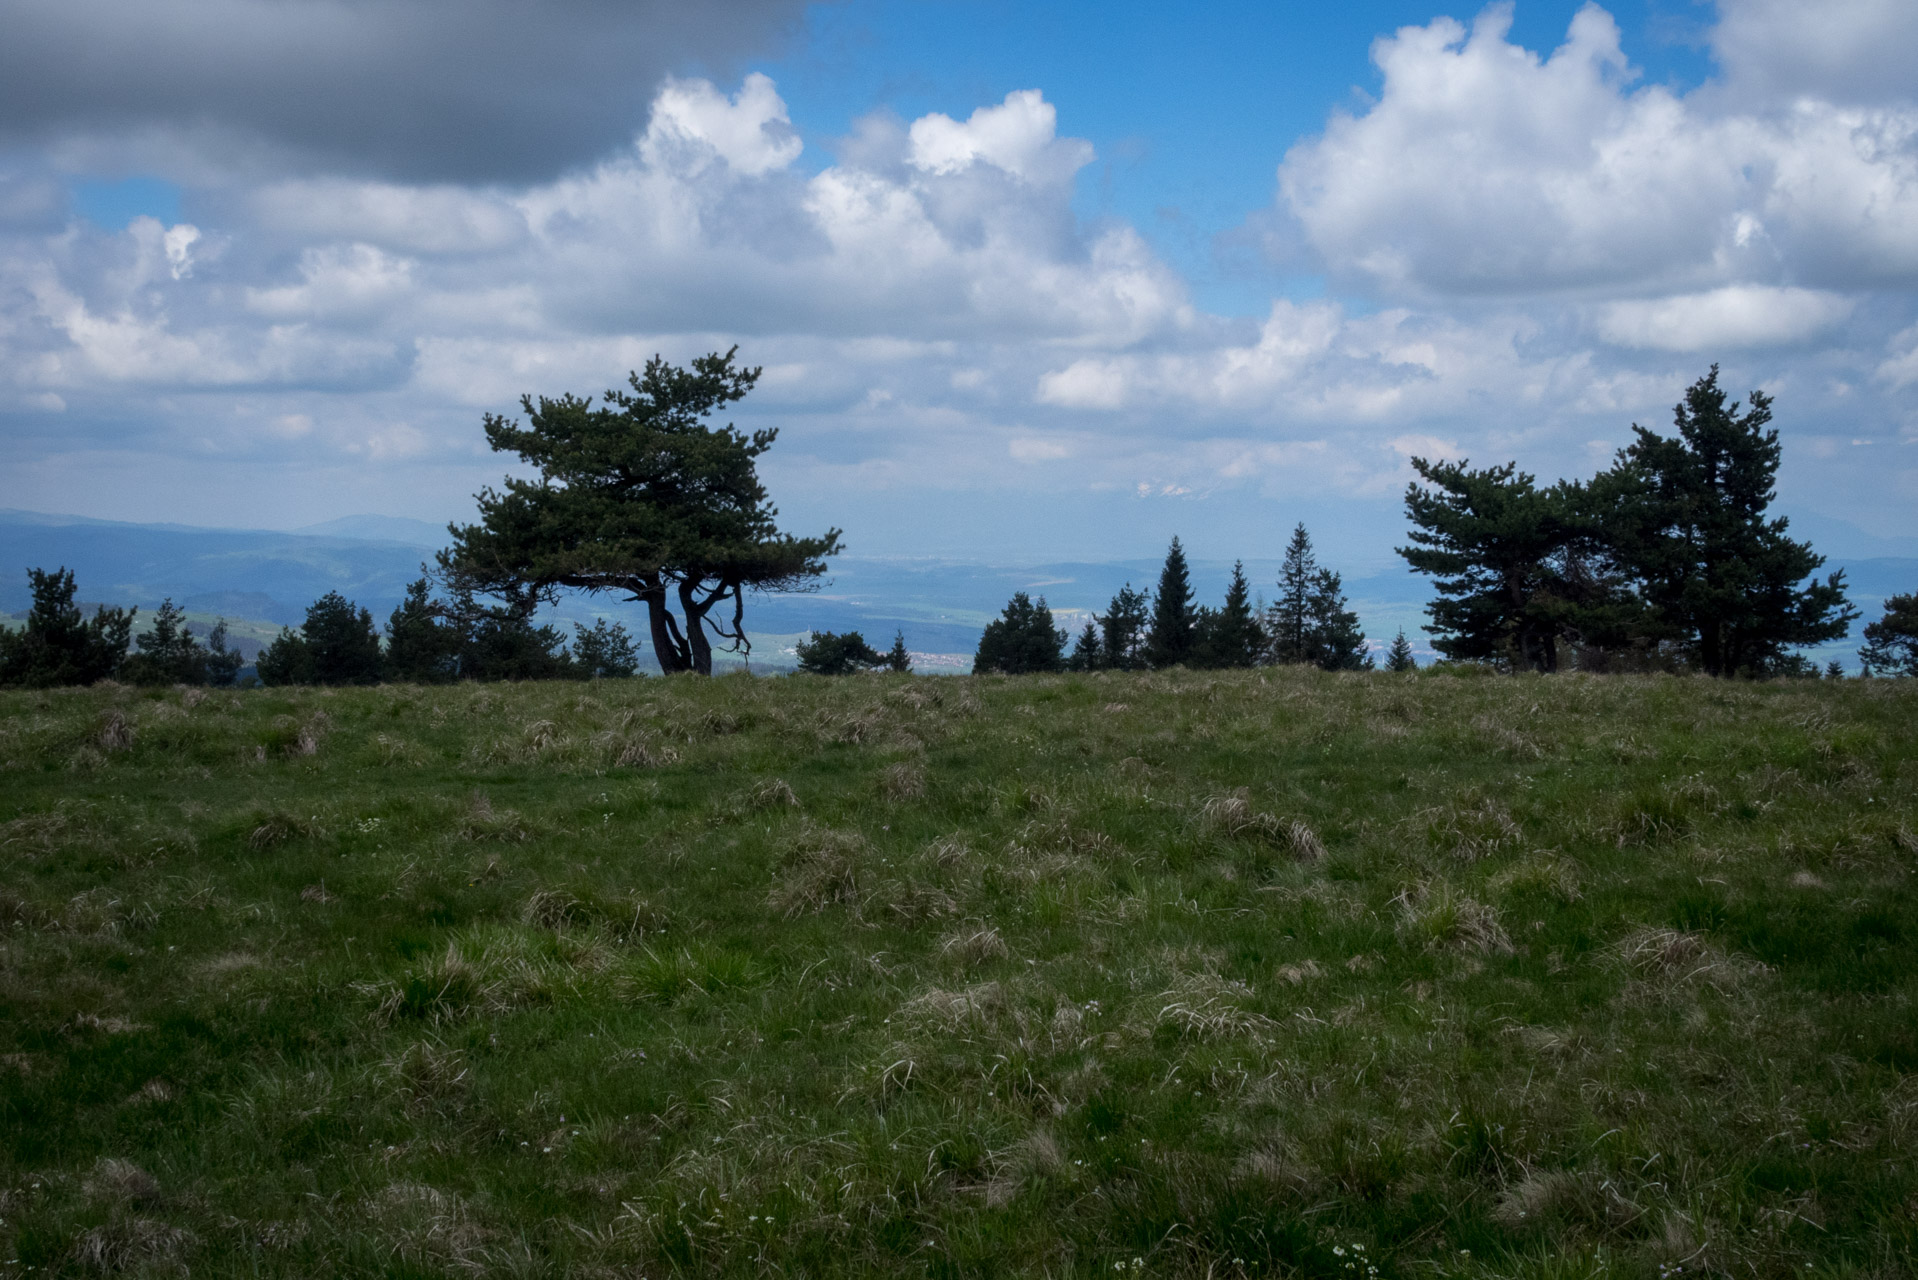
1179,974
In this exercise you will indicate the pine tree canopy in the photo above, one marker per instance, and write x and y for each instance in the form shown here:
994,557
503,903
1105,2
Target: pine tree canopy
825,653
1493,540
59,646
638,496
1685,518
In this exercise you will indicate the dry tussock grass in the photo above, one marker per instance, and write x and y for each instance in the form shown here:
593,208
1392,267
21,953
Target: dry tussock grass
949,852
1552,876
1232,816
640,751
949,1012
276,828
1436,916
1033,1160
482,822
1472,828
902,782
1208,1007
822,867
427,1077
773,793
1562,1200
115,732
1675,957
973,945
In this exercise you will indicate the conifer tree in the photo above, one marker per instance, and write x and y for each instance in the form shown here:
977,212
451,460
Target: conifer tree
421,648
604,652
1123,626
1891,643
1170,642
1399,656
1684,515
1334,641
1289,618
336,645
222,664
1021,640
1231,635
59,646
827,653
897,659
167,653
1496,545
1088,652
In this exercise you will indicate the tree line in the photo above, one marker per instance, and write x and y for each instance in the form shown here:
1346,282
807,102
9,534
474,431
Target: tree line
1666,560
1310,622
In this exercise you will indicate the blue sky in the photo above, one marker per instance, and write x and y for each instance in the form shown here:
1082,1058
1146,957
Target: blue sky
1039,280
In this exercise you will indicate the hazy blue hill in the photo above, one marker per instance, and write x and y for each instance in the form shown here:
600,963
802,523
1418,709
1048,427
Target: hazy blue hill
249,573
414,533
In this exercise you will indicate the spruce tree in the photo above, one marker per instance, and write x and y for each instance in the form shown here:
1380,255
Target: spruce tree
1088,652
1021,640
897,659
1399,656
1685,517
1170,642
1123,626
1333,639
1232,636
1891,643
1289,618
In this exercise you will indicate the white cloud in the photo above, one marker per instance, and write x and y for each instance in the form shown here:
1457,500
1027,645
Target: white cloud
750,131
1731,318
1486,169
1838,50
1017,136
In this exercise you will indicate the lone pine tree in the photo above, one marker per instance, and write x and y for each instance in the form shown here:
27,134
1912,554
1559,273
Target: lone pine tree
639,497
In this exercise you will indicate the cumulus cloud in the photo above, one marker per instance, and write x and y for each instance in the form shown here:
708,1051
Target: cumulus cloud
1486,169
459,90
1846,51
1017,136
1727,319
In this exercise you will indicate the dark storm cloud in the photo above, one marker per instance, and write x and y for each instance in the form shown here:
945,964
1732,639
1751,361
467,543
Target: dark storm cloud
434,90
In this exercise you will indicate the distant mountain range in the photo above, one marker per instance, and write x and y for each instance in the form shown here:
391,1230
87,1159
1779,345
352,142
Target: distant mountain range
940,605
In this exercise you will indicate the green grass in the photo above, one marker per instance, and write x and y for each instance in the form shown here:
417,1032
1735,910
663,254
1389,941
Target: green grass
1177,974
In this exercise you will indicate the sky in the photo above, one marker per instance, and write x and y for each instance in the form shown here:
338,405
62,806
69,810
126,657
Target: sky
1033,280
